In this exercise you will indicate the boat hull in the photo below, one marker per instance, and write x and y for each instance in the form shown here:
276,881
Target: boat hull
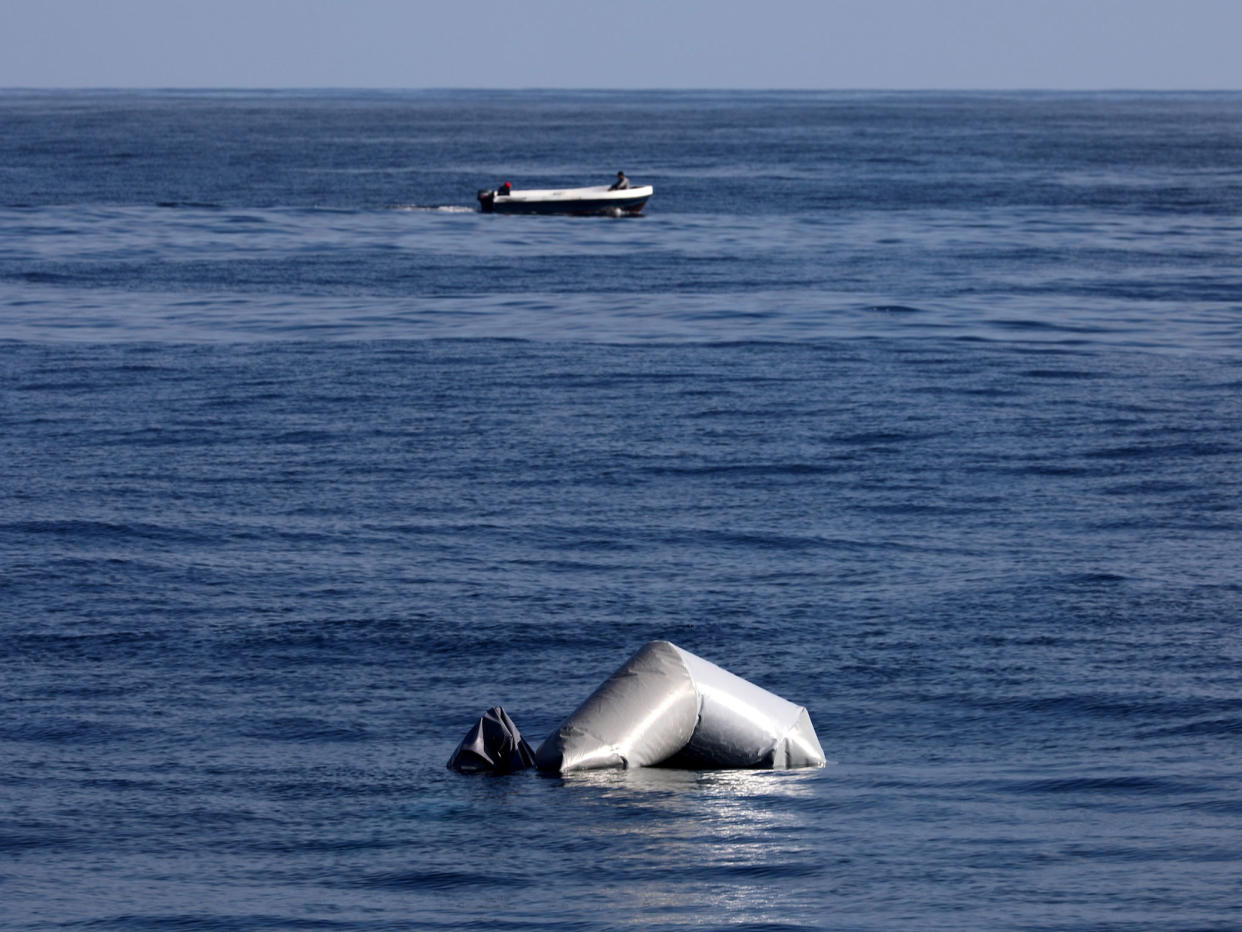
572,201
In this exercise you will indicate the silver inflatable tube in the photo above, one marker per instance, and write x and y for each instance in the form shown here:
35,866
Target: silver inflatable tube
668,707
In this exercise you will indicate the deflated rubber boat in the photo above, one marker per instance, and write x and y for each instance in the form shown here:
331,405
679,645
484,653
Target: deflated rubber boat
580,201
493,745
667,707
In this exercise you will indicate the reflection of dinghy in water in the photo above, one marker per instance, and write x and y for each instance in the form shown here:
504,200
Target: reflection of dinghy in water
667,707
600,200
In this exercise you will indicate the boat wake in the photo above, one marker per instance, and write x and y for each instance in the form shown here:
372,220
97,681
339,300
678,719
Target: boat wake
437,208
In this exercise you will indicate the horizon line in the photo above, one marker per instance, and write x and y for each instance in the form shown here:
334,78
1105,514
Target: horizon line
380,88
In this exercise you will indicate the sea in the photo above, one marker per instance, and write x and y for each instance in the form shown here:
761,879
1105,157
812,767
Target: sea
921,410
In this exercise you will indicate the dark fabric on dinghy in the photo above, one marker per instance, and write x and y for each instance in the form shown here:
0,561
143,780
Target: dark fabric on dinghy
493,745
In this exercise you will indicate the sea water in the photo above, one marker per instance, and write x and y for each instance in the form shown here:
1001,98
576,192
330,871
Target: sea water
921,410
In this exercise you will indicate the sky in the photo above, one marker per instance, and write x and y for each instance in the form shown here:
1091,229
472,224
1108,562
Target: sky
726,44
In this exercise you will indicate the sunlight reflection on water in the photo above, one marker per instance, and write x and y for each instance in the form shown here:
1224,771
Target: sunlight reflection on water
679,841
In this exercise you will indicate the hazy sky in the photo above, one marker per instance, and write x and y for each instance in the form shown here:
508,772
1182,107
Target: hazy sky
1096,44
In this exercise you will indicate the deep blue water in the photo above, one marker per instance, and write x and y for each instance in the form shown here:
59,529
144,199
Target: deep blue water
924,411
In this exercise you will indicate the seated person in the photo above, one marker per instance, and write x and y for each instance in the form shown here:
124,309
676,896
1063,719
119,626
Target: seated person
622,182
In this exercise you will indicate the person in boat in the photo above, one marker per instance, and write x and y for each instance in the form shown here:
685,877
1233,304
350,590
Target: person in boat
622,183
504,190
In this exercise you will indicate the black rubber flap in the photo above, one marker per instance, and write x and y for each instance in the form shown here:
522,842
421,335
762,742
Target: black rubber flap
493,745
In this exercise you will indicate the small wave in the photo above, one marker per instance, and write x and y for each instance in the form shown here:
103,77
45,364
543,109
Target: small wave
17,842
880,437
1121,784
1065,374
433,879
163,922
70,730
1045,325
194,205
758,470
1229,727
1195,449
305,728
1095,579
42,278
895,309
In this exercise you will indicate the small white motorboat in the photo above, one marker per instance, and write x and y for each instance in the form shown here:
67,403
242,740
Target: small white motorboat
599,200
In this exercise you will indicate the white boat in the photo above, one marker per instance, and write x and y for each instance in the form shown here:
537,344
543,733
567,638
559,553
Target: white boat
598,200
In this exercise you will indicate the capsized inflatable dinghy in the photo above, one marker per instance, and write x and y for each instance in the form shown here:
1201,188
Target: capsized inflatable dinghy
667,707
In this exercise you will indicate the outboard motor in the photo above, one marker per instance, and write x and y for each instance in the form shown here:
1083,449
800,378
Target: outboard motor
486,200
